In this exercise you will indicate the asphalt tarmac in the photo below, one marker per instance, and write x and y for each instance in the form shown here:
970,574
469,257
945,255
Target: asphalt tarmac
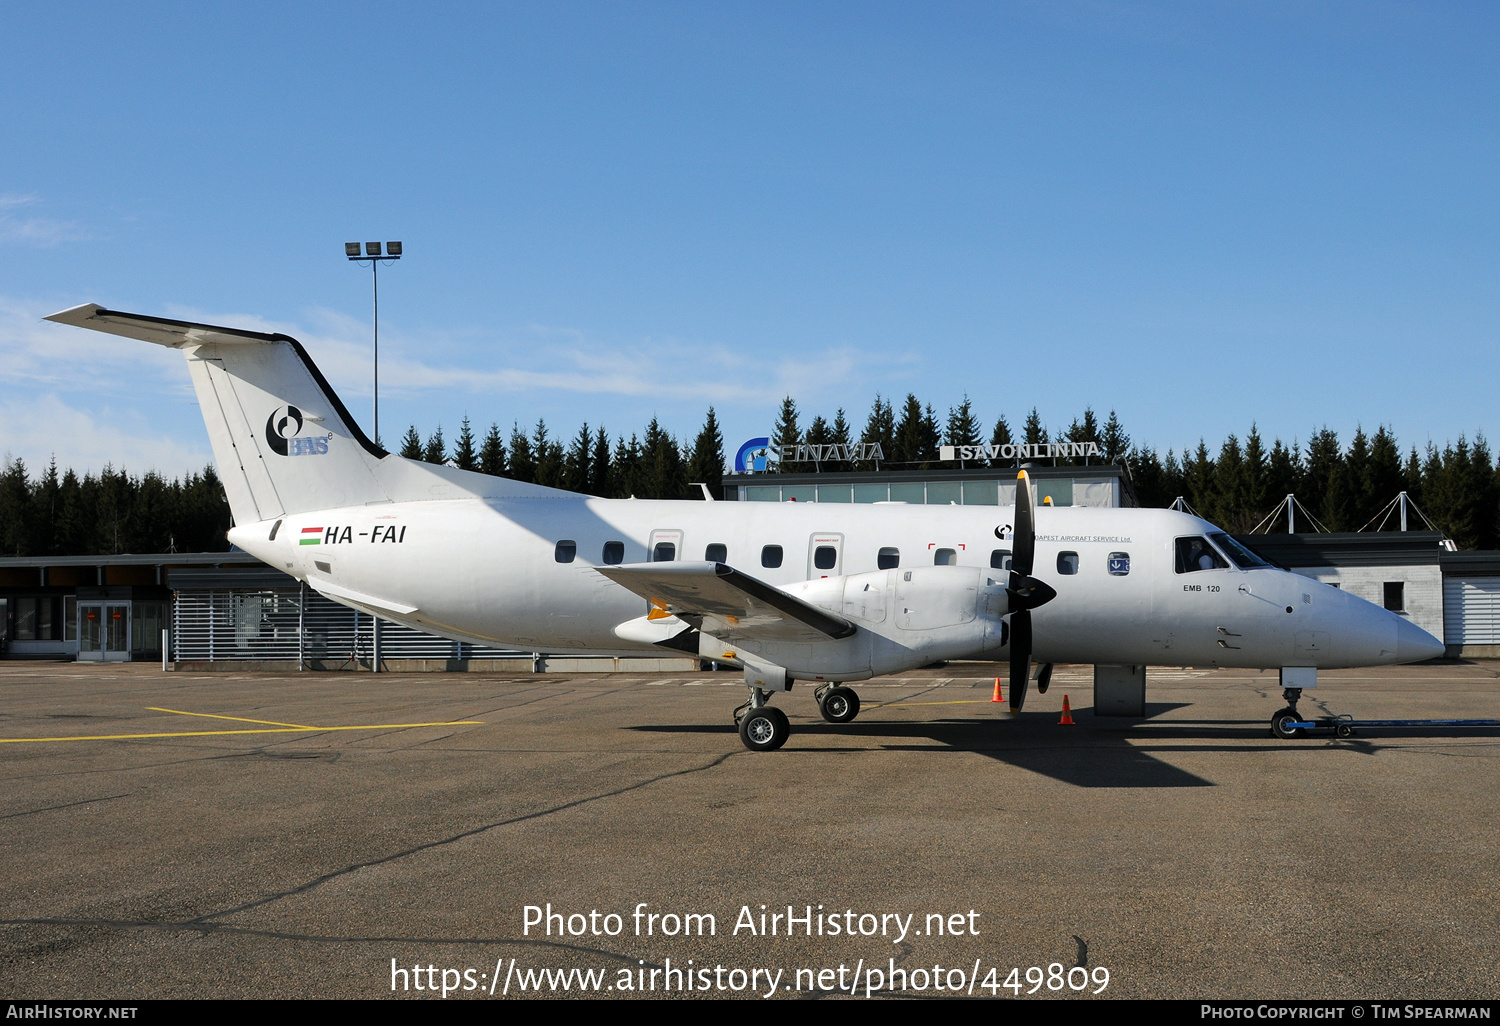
176,835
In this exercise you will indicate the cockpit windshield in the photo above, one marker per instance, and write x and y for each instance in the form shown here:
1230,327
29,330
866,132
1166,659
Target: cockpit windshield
1246,559
1194,554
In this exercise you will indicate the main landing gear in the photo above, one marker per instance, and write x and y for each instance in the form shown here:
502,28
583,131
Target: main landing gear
764,728
838,705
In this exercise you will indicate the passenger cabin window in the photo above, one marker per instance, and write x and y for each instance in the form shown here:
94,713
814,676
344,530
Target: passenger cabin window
614,553
1067,563
1194,554
825,556
888,558
1119,564
565,551
945,557
716,553
1000,559
664,552
770,556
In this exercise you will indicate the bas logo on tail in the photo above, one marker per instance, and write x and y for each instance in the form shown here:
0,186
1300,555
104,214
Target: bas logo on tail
282,427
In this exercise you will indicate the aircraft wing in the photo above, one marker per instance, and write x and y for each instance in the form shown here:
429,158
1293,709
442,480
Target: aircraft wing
721,601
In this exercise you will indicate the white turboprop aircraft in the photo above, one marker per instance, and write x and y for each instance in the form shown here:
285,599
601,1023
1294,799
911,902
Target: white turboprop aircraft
822,593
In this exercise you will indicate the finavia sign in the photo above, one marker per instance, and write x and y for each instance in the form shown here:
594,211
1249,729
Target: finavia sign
1036,451
758,454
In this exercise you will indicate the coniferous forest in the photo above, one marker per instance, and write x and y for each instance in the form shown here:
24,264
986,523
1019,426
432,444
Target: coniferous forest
1238,484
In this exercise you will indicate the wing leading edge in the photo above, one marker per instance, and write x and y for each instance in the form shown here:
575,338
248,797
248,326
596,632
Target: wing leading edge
721,601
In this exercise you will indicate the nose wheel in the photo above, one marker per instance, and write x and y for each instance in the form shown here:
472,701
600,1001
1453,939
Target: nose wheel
1281,723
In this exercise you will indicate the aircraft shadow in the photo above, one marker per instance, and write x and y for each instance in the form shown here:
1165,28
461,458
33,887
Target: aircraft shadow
1082,757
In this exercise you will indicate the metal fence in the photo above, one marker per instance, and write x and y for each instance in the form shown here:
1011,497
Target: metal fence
273,617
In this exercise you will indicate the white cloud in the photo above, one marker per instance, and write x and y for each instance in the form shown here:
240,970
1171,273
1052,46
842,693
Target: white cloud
35,231
545,358
37,428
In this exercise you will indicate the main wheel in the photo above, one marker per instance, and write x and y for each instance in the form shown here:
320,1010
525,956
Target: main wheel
765,729
839,705
1279,724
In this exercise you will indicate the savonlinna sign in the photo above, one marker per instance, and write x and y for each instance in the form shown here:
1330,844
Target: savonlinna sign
1036,451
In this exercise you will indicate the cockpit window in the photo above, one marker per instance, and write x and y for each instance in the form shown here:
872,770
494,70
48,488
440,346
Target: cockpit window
1194,554
1246,559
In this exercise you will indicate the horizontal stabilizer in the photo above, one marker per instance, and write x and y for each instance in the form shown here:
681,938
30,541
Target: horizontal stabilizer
721,601
161,330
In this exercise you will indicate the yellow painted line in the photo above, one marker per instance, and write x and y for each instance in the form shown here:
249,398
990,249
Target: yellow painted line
238,719
223,733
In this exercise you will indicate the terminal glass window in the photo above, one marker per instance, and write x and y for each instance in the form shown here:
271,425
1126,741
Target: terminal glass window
833,493
770,556
981,493
565,551
799,493
889,558
614,553
718,552
1194,554
943,493
1067,563
1246,559
945,557
872,493
914,492
1119,564
1000,559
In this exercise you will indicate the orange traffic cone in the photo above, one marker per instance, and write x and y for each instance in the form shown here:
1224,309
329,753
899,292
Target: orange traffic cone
997,697
1067,717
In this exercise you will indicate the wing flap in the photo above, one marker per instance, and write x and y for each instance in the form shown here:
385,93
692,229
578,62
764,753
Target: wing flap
721,601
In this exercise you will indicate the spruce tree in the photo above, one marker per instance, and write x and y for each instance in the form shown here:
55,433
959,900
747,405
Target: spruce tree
706,464
880,429
464,455
492,453
787,432
436,449
411,445
522,457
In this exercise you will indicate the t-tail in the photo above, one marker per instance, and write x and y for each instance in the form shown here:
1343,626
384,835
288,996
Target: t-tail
283,441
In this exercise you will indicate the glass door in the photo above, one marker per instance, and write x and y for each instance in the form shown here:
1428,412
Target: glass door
104,631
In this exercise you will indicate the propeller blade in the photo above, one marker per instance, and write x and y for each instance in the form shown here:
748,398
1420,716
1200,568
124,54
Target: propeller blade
1024,549
1020,657
1044,679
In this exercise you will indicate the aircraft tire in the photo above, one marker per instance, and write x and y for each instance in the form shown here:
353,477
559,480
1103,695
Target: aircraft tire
839,705
765,729
1279,724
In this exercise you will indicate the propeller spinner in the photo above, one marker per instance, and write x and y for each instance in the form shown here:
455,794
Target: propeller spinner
1025,593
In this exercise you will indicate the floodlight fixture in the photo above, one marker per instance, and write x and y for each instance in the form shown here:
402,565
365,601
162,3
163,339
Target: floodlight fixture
372,249
393,249
351,250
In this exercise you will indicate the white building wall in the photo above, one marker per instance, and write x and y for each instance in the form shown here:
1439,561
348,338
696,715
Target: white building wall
1423,591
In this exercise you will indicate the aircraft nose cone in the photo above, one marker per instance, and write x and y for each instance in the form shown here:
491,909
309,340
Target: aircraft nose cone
1413,644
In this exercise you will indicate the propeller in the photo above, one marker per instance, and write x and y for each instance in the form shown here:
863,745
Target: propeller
1025,593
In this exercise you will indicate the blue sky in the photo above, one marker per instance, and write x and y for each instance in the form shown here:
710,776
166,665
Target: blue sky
1200,215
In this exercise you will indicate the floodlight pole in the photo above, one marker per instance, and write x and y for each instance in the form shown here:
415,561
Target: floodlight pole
373,256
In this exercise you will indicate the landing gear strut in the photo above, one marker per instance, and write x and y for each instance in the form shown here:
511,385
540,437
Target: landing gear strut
1280,723
763,727
837,704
